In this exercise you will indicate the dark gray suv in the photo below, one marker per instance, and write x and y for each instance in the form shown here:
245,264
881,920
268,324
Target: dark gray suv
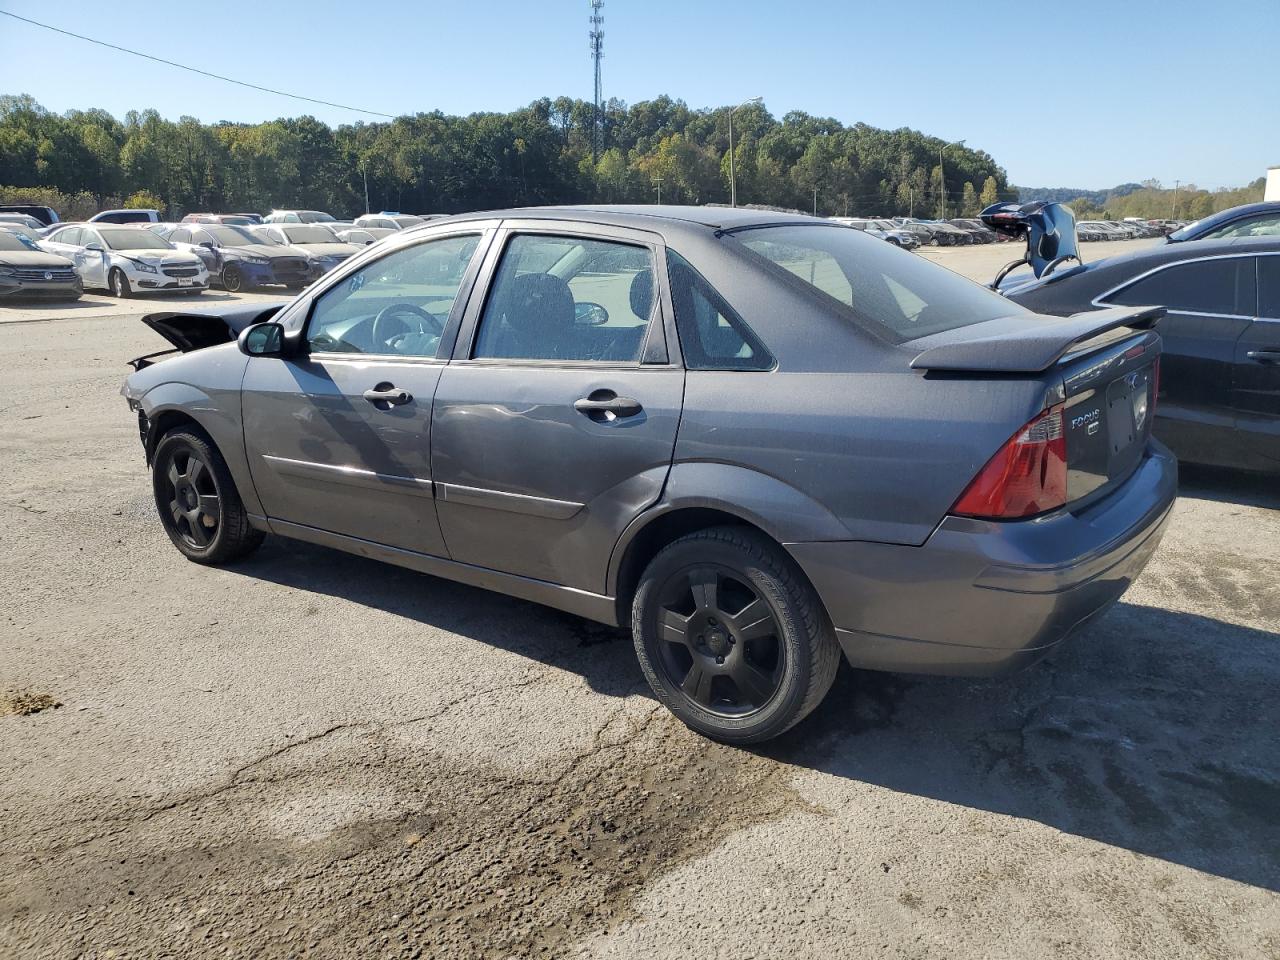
758,439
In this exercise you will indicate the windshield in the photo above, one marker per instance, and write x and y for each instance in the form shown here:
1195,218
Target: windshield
900,294
15,241
407,221
309,235
314,216
130,239
359,236
230,236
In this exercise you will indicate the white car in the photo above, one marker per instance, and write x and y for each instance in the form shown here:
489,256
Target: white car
388,221
298,216
126,260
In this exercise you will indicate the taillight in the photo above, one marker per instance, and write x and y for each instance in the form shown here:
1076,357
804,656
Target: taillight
1028,475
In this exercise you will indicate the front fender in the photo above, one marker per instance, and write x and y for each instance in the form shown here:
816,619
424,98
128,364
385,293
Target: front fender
208,393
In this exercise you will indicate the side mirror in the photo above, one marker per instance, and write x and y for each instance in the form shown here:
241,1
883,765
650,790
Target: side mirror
207,244
590,314
95,247
262,340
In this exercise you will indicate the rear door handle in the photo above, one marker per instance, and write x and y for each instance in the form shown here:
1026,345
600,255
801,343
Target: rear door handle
1264,356
387,393
601,403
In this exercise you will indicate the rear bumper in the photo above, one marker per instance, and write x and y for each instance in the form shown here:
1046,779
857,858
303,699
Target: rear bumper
981,598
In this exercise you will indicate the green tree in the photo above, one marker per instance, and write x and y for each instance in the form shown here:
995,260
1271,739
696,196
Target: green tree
990,192
968,200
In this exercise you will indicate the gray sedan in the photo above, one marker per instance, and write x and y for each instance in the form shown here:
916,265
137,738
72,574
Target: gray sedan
28,271
759,440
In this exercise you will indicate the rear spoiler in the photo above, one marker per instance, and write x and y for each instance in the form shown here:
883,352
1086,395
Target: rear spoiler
197,329
1034,345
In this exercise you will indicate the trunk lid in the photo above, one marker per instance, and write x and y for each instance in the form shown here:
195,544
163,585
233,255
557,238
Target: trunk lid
1102,367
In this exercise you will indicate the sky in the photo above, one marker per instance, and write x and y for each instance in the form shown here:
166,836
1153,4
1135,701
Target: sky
1083,94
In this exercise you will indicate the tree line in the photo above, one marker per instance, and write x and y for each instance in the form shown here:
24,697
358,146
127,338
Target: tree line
437,163
1151,200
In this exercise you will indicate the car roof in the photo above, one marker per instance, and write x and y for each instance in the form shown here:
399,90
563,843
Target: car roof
662,219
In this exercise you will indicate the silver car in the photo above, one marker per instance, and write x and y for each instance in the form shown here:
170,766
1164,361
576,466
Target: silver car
760,440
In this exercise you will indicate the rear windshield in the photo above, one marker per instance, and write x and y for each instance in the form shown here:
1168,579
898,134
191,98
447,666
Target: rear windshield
901,294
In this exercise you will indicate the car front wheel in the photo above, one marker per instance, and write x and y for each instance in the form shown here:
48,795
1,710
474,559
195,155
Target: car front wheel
232,278
198,502
731,637
119,284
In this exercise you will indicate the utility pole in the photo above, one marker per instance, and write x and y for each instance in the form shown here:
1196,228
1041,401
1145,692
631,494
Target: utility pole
364,170
815,201
657,182
942,187
911,201
1174,214
597,53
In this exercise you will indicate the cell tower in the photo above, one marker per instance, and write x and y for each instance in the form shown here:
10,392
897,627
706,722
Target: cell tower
597,52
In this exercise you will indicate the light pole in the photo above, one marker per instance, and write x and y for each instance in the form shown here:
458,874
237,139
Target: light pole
942,186
733,183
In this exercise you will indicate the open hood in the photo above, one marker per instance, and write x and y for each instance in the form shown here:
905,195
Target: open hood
195,329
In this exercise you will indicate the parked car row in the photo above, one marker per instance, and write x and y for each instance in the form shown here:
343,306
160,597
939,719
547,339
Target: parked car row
128,252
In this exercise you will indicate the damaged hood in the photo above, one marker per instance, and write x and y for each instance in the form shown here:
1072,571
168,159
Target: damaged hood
191,330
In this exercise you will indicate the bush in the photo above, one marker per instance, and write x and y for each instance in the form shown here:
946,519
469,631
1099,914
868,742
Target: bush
144,200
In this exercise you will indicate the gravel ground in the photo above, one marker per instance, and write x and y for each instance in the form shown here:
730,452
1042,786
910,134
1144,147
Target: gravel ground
310,754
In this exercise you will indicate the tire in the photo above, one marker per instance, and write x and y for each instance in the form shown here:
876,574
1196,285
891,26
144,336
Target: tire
188,497
726,605
232,278
896,243
118,284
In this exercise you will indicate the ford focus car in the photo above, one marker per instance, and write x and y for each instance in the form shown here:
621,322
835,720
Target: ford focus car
317,242
127,260
238,259
761,441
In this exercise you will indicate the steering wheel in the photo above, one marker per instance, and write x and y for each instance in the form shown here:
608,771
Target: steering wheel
427,324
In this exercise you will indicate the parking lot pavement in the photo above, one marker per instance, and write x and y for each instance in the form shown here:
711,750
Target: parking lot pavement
94,305
310,753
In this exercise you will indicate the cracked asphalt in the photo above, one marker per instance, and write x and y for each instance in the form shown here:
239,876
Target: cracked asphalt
312,755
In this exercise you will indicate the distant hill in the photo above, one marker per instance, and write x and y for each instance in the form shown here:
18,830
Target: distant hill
1062,194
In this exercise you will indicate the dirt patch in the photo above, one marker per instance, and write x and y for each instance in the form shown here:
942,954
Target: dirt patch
23,703
469,863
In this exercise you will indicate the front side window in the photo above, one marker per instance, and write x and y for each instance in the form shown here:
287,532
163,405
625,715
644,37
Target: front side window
901,297
712,336
397,305
1224,286
566,298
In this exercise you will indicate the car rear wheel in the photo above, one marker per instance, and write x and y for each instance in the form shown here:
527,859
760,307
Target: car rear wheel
232,278
119,284
198,502
731,637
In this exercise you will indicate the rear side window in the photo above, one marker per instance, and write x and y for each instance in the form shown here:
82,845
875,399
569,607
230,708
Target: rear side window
568,299
712,336
896,293
1203,286
1269,287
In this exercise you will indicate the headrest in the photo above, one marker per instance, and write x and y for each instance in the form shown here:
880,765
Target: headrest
642,294
540,304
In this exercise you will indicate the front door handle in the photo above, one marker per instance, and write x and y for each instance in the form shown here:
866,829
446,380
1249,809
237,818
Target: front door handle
603,405
388,394
1264,356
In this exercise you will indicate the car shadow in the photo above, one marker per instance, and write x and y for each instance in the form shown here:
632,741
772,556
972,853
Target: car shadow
601,655
1229,486
1154,731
